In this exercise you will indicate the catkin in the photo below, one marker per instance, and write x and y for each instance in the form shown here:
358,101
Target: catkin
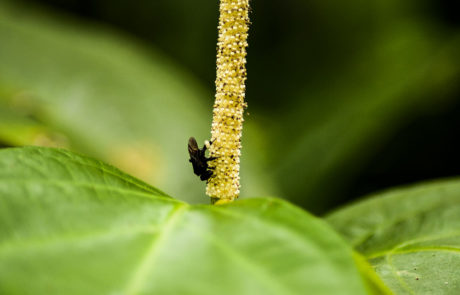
229,103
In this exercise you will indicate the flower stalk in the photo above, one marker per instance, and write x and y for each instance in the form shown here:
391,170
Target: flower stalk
229,103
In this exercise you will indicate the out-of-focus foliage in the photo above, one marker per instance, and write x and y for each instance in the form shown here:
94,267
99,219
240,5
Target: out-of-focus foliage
102,95
384,63
329,85
336,134
74,225
409,235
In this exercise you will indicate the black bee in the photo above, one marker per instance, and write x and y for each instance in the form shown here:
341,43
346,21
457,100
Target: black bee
199,160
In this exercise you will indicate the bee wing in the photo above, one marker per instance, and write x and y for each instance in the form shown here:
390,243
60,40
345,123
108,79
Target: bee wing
192,146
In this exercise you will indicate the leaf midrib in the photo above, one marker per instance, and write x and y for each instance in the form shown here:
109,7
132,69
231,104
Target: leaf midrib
139,277
259,272
404,246
454,250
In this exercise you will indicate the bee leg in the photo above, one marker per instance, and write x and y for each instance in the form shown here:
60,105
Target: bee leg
206,175
208,143
211,176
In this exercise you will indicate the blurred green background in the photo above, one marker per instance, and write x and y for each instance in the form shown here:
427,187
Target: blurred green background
345,97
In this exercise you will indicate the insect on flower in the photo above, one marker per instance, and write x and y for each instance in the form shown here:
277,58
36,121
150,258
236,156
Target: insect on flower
199,160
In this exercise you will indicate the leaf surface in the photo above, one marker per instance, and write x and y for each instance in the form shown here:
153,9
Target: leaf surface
411,236
73,225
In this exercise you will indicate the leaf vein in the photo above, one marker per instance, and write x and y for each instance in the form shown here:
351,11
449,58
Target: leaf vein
140,275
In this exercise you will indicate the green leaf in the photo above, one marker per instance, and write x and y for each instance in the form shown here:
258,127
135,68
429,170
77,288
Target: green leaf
411,236
73,225
372,281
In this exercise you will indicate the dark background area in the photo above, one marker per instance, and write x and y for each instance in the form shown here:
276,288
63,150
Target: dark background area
307,46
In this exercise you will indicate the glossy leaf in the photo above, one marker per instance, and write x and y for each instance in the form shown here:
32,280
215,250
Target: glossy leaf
411,236
73,225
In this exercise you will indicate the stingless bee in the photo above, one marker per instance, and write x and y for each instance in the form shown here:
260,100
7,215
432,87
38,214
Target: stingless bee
199,160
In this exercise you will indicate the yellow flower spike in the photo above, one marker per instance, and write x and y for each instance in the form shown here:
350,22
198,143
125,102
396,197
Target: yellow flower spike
227,123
